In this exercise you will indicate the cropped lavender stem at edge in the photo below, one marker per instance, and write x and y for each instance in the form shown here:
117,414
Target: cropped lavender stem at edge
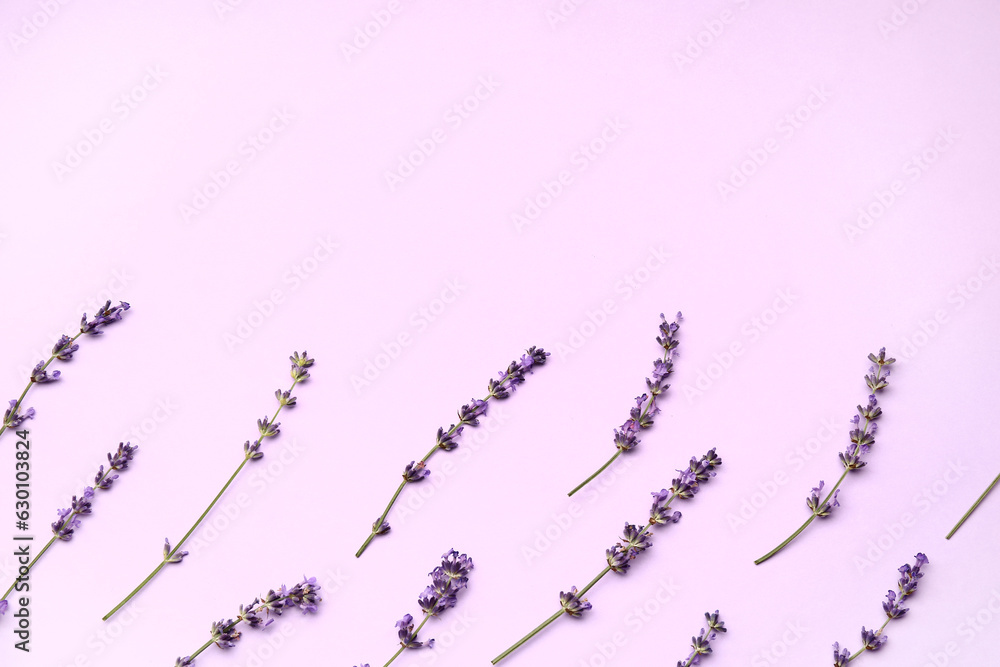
973,508
873,640
862,439
641,416
68,519
224,632
63,350
634,540
468,415
701,644
267,428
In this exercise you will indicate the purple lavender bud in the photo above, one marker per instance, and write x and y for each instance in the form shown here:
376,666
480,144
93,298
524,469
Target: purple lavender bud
625,439
469,414
3,607
12,419
225,634
41,376
572,604
68,519
303,595
818,507
661,514
285,398
267,429
840,657
635,540
618,560
415,471
62,350
184,662
714,624
408,638
176,558
455,566
301,360
380,528
104,316
872,640
448,440
252,451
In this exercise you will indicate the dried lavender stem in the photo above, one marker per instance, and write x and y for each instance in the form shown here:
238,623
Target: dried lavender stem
813,515
403,648
17,405
973,508
172,553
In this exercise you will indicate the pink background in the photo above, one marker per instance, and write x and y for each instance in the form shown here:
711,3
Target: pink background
642,229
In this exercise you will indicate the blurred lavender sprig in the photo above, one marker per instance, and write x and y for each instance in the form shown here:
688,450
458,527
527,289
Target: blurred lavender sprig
973,508
634,540
63,350
862,438
267,428
68,521
468,415
641,416
447,580
701,645
873,640
258,614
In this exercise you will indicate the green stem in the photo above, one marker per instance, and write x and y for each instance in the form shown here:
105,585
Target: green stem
551,619
17,404
395,496
973,508
177,547
403,648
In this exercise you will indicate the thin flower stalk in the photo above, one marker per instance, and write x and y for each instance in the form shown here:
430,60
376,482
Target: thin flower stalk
701,645
973,508
448,579
63,350
68,521
862,438
634,540
259,614
641,416
447,440
873,640
267,428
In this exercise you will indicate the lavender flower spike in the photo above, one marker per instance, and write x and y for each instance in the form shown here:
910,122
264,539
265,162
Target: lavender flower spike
258,615
636,541
447,580
862,438
468,415
63,351
266,428
873,640
973,508
68,520
701,645
641,416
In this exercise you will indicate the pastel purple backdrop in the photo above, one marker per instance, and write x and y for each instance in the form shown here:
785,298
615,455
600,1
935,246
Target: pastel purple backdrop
608,128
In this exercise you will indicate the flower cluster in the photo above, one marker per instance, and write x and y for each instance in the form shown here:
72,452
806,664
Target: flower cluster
468,415
862,437
635,540
258,614
641,415
447,581
63,350
701,645
68,519
873,640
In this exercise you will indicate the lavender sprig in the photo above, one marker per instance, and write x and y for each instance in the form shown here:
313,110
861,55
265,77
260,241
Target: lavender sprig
267,428
257,615
68,519
701,645
468,415
873,640
641,416
634,540
862,439
973,508
62,350
447,581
